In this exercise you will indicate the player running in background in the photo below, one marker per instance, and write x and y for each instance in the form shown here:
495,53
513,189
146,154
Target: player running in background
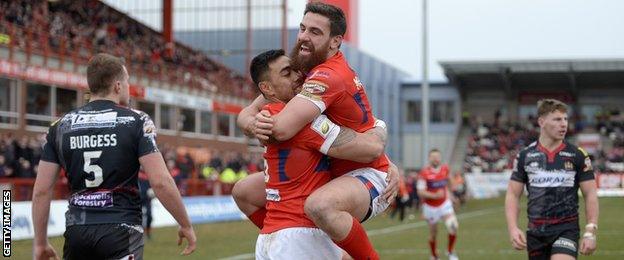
297,167
552,171
330,87
101,146
433,189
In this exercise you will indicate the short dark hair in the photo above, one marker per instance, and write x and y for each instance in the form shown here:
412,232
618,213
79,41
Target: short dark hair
434,150
260,65
102,71
337,20
547,106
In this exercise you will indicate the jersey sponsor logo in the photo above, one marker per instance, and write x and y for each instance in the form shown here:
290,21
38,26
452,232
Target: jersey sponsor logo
98,199
566,154
272,195
588,165
315,88
92,141
319,74
535,154
543,178
102,120
122,120
431,184
563,242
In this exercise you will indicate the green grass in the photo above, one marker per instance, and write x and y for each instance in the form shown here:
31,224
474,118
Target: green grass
483,235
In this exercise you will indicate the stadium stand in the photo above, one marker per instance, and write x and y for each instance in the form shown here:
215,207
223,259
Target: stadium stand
78,29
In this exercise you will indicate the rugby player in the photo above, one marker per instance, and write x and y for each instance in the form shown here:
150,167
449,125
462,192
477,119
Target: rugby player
552,170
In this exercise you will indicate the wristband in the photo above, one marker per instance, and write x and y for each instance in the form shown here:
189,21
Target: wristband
591,226
589,235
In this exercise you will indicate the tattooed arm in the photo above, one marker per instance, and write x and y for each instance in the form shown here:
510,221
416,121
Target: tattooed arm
359,147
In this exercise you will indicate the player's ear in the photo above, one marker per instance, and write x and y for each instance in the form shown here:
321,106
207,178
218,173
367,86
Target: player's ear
117,87
540,121
335,42
266,88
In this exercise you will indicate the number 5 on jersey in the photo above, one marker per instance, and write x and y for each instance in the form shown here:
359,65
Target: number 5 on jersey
95,169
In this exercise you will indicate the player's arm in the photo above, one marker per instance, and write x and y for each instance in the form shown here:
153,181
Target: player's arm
47,174
359,147
167,193
589,189
421,189
247,117
297,113
512,201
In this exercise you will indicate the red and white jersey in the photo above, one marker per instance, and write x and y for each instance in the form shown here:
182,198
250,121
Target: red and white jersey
434,180
294,169
336,90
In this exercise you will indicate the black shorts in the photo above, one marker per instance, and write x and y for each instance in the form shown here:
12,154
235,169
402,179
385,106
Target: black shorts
542,245
103,241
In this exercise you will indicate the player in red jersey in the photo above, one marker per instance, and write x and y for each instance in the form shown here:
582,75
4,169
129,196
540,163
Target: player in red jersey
432,186
298,166
333,88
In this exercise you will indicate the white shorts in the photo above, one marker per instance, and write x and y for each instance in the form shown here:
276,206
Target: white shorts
296,243
376,183
434,214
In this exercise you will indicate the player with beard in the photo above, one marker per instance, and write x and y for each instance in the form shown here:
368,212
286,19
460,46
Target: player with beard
297,167
333,88
552,170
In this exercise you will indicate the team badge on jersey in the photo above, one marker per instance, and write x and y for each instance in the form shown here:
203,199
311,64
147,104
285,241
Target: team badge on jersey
568,165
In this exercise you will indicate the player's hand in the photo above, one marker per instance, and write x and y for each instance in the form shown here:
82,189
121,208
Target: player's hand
393,183
518,241
588,246
189,234
263,125
44,252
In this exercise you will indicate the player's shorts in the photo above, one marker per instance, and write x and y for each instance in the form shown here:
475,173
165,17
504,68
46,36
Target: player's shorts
542,245
434,214
103,241
375,182
296,243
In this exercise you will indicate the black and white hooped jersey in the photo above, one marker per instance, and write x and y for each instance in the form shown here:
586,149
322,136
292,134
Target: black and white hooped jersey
552,180
99,146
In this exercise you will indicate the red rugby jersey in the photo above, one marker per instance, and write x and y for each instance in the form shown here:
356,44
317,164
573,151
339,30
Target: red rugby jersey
435,180
294,169
335,88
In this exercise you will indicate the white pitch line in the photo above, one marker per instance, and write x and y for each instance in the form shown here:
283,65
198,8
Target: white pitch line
404,227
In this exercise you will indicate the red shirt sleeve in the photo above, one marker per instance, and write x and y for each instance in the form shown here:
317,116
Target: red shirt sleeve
323,87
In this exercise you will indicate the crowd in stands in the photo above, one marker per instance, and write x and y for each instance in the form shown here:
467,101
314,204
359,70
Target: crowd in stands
611,126
19,157
86,27
493,146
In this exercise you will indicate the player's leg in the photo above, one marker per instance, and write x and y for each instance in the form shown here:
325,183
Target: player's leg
452,225
337,208
249,195
565,246
433,232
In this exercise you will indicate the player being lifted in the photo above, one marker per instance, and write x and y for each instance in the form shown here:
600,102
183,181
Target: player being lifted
332,88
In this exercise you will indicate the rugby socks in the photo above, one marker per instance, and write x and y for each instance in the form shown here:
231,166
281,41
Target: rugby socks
258,217
451,242
432,245
357,244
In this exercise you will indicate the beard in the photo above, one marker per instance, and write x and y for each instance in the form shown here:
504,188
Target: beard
306,64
